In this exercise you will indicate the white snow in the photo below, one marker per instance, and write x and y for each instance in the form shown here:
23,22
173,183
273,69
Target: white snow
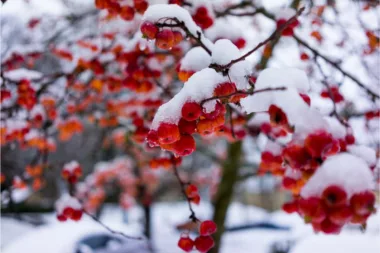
347,243
200,86
366,153
22,73
67,201
224,51
344,170
195,59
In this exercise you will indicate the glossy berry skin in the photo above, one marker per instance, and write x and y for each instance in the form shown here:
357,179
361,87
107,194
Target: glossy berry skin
178,37
168,133
191,111
296,156
320,144
149,30
334,196
207,227
152,138
333,94
165,39
290,207
277,116
363,203
329,227
191,191
341,216
184,146
61,218
186,244
225,89
204,243
312,209
187,127
76,215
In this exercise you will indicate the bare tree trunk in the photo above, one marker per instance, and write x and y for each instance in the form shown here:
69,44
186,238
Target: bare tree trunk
225,190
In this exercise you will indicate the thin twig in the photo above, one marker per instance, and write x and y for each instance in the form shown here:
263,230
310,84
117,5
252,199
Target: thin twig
183,189
336,66
110,229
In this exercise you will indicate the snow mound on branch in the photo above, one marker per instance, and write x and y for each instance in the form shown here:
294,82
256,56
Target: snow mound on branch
224,51
273,148
22,73
218,30
158,12
195,59
285,13
239,73
258,119
337,130
67,201
366,153
200,86
344,170
295,81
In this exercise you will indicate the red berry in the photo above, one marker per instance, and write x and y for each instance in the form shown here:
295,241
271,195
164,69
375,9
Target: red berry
187,127
350,139
68,212
77,215
296,156
306,98
165,39
289,183
178,37
140,6
334,196
149,30
304,56
207,227
191,111
321,143
225,89
61,217
290,207
184,146
340,216
168,133
127,13
191,191
312,209
363,203
186,244
204,243
152,138
330,228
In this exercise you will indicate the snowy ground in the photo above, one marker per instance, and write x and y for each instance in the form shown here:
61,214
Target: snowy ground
62,237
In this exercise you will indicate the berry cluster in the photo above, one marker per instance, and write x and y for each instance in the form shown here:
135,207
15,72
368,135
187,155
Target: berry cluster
192,194
333,93
125,11
202,17
165,38
204,242
329,212
26,94
71,172
68,208
289,30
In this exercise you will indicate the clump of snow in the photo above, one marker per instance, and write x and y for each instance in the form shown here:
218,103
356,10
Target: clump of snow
366,153
337,130
67,201
239,73
195,59
200,86
37,110
224,51
22,73
273,147
285,13
344,170
218,30
157,12
258,119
